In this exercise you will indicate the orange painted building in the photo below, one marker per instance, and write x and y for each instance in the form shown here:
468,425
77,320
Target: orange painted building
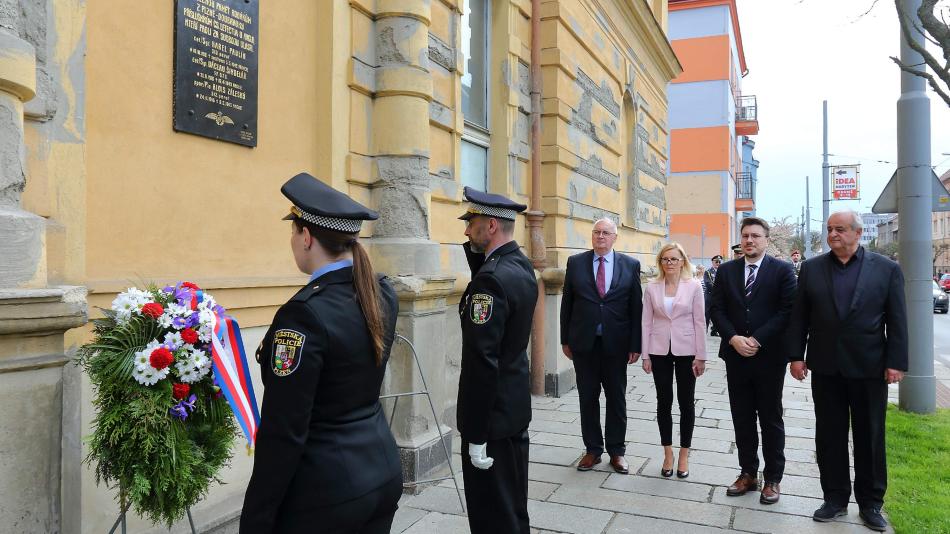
712,171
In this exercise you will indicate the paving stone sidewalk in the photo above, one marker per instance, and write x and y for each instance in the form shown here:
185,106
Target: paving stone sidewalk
564,500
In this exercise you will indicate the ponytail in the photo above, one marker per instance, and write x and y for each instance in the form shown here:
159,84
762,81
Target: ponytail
367,293
364,279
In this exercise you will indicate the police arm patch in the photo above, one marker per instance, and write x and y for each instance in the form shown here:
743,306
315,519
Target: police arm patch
481,307
288,349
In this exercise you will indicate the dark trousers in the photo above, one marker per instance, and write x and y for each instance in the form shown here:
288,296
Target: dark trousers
664,369
755,395
368,514
594,370
864,403
497,498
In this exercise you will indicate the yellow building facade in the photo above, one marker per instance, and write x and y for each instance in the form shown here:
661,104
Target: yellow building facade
399,103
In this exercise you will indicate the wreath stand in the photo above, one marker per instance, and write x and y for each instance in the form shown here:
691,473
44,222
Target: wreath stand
120,521
424,391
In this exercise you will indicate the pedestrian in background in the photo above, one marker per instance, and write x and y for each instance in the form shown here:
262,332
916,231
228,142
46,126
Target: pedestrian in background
751,303
851,321
709,278
600,333
494,398
674,345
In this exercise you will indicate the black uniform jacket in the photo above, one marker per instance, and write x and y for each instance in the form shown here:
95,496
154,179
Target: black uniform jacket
870,338
496,312
323,437
582,308
763,315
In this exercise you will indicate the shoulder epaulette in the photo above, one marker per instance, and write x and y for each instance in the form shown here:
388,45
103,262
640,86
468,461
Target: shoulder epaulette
308,291
489,266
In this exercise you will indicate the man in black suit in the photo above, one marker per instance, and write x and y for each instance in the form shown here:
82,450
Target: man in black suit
600,333
849,312
494,402
751,302
709,278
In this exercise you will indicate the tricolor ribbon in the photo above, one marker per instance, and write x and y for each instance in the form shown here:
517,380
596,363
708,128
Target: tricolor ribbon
232,374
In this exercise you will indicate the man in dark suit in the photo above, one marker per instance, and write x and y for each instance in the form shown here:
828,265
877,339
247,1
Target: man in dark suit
709,278
751,302
849,312
600,333
494,402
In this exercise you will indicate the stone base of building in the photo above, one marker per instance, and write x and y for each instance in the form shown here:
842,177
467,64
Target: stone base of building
557,384
426,461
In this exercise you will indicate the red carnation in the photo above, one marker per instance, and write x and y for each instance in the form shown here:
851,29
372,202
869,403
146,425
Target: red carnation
161,358
180,391
189,335
153,310
190,286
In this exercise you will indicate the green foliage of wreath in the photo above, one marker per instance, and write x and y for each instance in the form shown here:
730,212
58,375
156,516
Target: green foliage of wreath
160,465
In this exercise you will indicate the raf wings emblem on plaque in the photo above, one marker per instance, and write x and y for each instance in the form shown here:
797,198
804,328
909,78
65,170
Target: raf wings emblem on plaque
288,348
481,308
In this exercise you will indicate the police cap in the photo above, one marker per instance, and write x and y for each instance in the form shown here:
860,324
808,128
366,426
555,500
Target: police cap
490,205
736,249
716,257
321,205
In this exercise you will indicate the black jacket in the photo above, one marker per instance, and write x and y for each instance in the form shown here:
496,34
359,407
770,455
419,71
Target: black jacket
582,308
764,315
323,437
870,338
496,312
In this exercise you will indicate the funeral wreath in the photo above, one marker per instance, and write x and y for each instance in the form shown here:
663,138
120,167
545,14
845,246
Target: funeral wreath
162,430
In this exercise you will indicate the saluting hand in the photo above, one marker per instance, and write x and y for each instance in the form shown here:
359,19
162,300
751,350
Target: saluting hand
477,453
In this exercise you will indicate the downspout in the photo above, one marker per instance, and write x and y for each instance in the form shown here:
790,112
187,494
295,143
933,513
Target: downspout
537,251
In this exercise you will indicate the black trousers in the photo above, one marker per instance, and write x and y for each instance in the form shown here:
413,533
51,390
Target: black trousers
864,403
368,514
755,395
664,369
497,498
594,370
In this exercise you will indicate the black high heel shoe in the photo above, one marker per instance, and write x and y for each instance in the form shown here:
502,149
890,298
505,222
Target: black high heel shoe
666,472
682,474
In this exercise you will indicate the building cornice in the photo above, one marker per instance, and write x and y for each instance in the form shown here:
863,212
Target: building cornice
639,15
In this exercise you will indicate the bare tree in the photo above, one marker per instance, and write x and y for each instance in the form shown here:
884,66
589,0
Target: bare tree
930,22
782,233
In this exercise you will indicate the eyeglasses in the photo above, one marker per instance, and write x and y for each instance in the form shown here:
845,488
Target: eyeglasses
670,261
602,233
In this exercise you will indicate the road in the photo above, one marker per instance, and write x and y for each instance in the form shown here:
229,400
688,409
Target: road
942,338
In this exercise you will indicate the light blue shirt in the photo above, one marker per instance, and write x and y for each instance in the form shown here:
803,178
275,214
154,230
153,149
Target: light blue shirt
608,269
330,267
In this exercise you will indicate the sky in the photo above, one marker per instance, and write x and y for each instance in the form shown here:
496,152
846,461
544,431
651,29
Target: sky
801,52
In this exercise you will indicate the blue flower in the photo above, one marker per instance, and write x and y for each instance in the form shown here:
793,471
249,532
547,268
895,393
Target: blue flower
181,410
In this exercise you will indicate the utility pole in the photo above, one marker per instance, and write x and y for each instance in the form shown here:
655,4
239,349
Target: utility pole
825,194
914,207
808,217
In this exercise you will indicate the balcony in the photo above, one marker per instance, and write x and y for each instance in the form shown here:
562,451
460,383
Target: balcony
747,117
745,191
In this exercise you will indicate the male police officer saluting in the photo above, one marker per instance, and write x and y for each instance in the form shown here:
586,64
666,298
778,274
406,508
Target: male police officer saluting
326,461
494,404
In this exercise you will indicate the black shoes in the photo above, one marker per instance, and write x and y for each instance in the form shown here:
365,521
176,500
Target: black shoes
682,474
666,472
873,519
828,512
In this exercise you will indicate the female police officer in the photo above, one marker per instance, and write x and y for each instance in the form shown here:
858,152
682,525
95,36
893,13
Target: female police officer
325,459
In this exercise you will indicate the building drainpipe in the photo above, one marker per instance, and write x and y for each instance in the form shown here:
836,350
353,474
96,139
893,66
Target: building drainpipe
535,216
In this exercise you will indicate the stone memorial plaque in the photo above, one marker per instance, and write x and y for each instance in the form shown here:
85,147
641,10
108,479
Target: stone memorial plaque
215,81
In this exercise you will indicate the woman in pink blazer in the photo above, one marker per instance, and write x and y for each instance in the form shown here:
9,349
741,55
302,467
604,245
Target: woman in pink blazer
674,344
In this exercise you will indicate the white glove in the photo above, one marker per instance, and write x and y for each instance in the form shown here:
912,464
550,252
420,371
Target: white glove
479,459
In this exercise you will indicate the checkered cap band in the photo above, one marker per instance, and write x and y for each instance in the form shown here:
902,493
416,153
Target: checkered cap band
492,211
347,226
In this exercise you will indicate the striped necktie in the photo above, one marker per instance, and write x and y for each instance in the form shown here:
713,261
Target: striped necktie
750,281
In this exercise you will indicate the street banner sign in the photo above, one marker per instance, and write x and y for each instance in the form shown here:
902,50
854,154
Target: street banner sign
845,182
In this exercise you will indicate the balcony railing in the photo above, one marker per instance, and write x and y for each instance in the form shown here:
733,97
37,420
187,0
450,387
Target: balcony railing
745,186
746,109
